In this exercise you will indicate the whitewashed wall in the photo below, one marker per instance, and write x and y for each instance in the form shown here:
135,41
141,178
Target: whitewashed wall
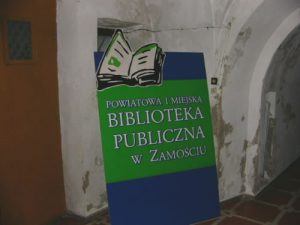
77,41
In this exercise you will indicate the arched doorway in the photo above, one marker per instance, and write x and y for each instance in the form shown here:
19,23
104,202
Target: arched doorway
277,59
280,109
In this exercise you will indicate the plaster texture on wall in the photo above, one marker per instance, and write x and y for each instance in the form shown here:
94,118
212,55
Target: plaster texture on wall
77,40
228,97
238,39
179,26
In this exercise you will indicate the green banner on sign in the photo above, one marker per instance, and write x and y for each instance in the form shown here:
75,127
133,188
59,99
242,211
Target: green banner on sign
153,130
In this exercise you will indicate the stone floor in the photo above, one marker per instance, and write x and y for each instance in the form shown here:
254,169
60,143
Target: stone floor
278,204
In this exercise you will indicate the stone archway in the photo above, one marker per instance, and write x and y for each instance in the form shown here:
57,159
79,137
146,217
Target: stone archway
259,173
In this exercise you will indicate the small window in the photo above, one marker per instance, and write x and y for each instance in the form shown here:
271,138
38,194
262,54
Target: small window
19,40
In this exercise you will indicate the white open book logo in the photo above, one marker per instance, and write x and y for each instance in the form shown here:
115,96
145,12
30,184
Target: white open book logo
120,65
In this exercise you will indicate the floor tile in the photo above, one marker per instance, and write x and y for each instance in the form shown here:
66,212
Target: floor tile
290,218
236,221
257,211
274,196
230,204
